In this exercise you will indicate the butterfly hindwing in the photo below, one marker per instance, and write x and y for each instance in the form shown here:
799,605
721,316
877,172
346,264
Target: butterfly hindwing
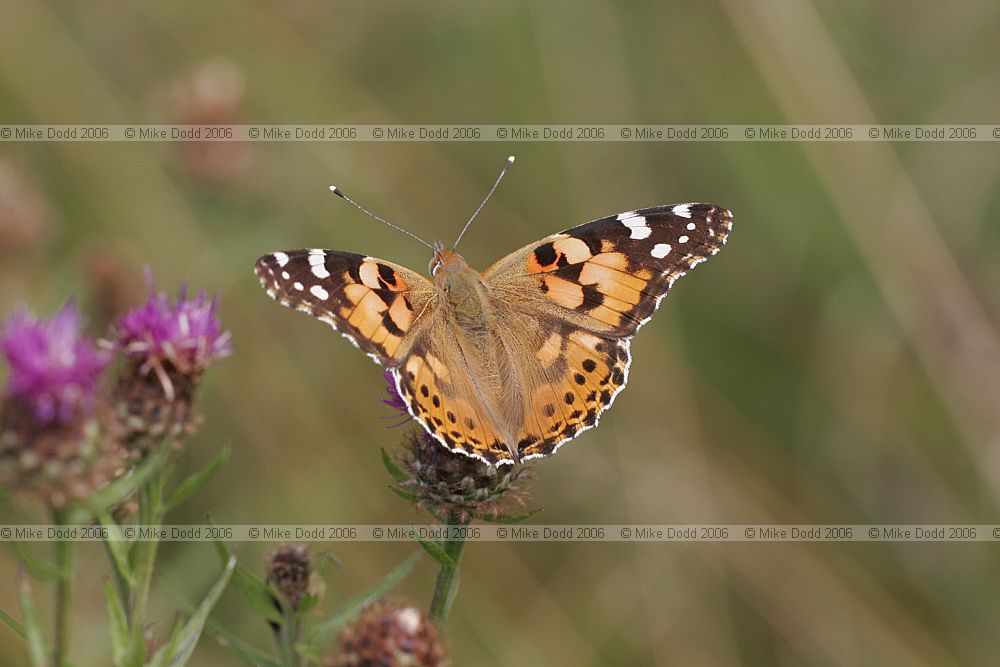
579,375
374,303
439,392
610,274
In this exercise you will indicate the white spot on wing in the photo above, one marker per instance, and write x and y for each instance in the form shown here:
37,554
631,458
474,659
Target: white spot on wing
319,270
286,275
281,258
637,224
683,239
660,250
683,210
691,226
318,292
299,286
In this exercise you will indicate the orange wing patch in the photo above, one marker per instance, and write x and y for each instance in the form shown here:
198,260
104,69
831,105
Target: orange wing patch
576,389
560,250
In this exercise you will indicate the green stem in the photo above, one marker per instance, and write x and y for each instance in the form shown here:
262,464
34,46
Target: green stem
120,584
150,513
286,640
447,581
64,577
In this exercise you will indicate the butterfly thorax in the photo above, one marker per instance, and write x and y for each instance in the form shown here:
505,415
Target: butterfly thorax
464,296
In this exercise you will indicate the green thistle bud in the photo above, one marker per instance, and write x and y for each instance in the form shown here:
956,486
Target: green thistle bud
290,570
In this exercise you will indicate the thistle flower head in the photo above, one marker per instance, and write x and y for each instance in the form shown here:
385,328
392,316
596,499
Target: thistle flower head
169,344
290,569
214,94
48,432
390,635
25,220
450,484
54,368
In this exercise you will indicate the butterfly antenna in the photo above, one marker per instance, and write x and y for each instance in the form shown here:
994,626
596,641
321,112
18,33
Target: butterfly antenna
506,168
335,190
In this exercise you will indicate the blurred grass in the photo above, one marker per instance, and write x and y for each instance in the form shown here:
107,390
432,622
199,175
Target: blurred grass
838,362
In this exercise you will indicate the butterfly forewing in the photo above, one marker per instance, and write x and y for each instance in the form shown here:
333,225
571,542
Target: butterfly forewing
373,303
612,273
593,286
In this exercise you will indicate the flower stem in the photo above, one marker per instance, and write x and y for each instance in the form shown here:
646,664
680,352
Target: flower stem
287,636
448,577
64,576
150,511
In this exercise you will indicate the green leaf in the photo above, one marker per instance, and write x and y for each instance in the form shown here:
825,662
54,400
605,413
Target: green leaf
121,488
37,649
323,561
323,633
251,654
408,495
38,568
220,547
252,588
12,623
435,551
509,518
118,548
456,580
394,469
183,641
189,486
118,624
257,594
307,604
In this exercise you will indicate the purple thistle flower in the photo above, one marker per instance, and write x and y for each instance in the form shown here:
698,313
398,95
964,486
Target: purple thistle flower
395,401
186,335
54,368
169,345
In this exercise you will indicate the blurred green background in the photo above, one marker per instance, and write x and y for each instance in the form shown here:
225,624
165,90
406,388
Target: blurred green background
838,362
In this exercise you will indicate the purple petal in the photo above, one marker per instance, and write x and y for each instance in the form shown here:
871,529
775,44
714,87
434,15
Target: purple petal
395,401
186,333
53,366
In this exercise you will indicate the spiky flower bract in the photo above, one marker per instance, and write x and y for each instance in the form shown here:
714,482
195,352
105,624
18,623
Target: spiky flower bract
450,484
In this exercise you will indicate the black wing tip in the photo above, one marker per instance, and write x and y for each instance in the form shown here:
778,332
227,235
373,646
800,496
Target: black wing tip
718,217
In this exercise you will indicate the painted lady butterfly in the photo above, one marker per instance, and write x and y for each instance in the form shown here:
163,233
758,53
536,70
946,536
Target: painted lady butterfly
507,364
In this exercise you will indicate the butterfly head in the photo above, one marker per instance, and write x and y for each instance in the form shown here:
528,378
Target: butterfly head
447,260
